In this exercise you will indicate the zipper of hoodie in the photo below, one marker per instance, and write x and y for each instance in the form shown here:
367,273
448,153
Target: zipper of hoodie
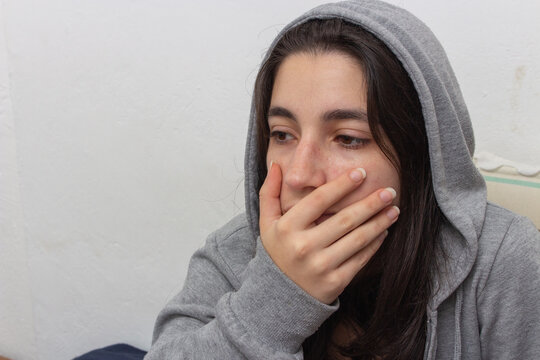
430,348
457,321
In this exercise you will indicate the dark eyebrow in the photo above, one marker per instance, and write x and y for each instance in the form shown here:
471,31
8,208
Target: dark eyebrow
345,114
281,112
338,114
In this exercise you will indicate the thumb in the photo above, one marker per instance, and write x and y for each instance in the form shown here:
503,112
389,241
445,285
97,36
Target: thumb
269,201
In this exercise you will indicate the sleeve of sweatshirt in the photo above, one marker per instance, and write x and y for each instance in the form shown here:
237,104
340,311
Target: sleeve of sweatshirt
509,305
215,316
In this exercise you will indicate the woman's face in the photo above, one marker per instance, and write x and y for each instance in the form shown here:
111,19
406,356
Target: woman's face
319,129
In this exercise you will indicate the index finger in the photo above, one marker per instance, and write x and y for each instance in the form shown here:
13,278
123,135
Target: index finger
269,200
311,207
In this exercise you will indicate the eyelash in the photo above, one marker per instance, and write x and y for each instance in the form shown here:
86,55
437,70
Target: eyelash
276,134
359,141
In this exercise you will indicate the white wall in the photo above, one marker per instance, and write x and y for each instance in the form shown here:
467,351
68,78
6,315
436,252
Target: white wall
122,126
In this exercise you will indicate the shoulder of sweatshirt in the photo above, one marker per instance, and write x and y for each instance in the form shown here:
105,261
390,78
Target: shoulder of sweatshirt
508,241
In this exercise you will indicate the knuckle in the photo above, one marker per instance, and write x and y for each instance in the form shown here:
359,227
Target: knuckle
263,191
347,221
281,226
319,197
321,265
360,239
366,255
382,221
374,204
335,282
300,249
364,259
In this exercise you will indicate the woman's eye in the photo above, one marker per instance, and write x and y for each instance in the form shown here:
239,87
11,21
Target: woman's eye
281,136
351,142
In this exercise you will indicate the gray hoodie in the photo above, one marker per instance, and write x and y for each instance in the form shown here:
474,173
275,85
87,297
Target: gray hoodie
237,304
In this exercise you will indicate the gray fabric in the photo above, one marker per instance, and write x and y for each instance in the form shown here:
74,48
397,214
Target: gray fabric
236,304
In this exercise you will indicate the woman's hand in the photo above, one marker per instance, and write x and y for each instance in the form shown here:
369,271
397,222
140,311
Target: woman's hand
323,259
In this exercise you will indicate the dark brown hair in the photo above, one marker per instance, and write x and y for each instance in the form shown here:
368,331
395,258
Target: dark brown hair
384,307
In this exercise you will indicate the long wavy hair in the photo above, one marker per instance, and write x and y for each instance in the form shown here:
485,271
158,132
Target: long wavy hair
384,308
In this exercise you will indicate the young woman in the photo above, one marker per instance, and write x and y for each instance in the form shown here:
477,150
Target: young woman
367,234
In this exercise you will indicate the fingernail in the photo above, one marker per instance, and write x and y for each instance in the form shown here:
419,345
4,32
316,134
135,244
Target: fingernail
387,194
393,213
358,174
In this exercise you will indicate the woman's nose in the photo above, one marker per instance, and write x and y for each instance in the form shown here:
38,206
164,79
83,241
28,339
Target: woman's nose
305,169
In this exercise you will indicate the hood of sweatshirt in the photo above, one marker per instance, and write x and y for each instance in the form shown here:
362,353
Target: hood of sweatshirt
459,188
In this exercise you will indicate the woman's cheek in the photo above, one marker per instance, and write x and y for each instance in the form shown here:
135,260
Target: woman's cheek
277,154
382,178
380,174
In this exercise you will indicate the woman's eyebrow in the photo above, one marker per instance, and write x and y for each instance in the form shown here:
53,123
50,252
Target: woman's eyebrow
345,114
337,114
281,112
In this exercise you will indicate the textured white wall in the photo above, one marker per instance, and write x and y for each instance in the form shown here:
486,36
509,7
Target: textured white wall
122,126
16,318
